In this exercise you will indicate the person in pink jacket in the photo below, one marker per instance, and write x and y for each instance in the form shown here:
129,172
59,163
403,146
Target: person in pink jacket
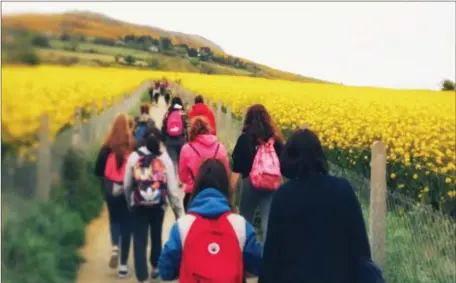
202,144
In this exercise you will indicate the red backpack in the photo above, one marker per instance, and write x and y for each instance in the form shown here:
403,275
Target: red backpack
175,125
212,249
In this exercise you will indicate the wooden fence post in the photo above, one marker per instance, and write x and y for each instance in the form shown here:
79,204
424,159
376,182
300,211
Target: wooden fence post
378,195
44,160
77,127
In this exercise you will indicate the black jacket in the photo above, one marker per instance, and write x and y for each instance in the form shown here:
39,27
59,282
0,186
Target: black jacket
316,233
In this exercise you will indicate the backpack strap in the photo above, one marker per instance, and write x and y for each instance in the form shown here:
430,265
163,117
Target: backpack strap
194,149
184,224
239,226
216,150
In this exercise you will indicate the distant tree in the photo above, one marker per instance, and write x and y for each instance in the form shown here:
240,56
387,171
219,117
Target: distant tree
82,38
65,37
165,44
183,46
104,41
192,52
448,85
129,37
40,41
130,60
205,53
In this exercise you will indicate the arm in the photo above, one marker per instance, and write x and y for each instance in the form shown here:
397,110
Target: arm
100,163
186,125
173,191
165,121
359,241
238,165
185,174
128,177
170,258
252,251
271,253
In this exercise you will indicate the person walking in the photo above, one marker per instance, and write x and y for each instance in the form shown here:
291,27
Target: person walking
211,243
142,122
150,184
174,129
255,159
202,144
329,242
110,165
201,109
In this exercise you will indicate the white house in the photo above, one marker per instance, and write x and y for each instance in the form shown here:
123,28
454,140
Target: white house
153,48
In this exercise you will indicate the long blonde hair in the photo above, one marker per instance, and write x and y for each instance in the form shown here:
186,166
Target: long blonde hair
120,138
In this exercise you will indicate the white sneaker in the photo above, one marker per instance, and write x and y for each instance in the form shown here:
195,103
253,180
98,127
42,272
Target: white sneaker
123,271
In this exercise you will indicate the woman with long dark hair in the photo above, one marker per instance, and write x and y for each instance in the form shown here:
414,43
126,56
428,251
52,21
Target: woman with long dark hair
316,230
259,130
231,240
110,166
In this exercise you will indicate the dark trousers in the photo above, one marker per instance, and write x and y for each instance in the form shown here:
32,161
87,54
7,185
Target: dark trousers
156,96
145,217
174,150
187,199
120,224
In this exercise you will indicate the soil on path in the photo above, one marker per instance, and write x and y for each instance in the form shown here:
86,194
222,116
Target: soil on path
97,250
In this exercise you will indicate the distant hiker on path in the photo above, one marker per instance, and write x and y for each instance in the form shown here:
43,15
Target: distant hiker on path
174,129
142,123
201,109
150,181
202,144
255,159
211,244
110,164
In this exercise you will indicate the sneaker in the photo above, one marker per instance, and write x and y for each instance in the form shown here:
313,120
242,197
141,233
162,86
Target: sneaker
123,271
114,260
155,274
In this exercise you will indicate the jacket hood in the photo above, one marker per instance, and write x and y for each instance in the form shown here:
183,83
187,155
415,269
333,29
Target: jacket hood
206,140
209,203
200,108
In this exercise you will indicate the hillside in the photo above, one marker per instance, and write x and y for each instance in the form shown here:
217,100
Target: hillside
96,25
90,24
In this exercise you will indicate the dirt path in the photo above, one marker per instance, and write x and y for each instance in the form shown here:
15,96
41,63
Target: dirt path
98,246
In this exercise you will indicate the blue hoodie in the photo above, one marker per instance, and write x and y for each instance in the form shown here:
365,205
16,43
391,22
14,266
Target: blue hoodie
209,203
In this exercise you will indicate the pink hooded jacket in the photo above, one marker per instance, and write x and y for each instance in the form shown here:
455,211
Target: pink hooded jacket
190,160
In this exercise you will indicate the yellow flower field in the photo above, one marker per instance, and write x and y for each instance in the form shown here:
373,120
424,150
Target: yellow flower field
417,126
412,123
29,92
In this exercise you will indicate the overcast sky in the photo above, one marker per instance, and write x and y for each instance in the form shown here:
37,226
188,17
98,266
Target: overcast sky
399,45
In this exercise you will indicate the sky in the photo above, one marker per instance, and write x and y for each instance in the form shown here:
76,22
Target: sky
382,44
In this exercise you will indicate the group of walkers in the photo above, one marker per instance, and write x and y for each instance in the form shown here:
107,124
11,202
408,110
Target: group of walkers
160,88
312,225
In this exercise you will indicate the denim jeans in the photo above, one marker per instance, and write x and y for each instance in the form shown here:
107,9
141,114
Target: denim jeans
145,217
251,199
120,224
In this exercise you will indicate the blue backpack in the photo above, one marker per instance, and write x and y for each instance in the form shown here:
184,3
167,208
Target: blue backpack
140,130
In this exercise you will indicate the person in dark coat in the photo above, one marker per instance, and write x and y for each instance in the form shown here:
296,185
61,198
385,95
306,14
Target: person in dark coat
316,231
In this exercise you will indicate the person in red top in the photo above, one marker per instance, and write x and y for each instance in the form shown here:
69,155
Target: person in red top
201,109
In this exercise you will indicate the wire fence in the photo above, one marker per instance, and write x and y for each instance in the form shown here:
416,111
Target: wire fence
414,242
29,177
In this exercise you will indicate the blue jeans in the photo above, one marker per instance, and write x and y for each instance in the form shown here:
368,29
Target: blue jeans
120,224
251,199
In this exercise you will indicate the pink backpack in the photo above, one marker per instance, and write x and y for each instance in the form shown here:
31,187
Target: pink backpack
175,125
212,249
265,173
